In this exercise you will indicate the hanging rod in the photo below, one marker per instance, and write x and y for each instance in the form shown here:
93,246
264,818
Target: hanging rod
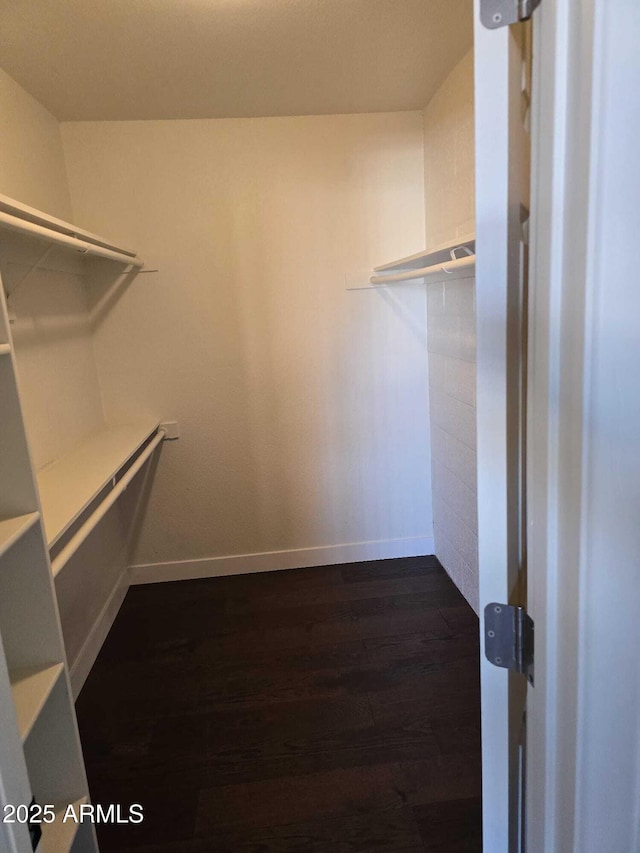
450,268
22,226
78,538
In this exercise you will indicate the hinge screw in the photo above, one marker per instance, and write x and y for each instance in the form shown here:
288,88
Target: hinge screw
497,608
491,634
497,18
498,661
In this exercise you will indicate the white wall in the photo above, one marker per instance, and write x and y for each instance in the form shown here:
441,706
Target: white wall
32,166
53,343
56,367
449,200
303,407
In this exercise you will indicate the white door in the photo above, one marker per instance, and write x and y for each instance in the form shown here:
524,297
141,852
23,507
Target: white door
502,97
583,784
582,544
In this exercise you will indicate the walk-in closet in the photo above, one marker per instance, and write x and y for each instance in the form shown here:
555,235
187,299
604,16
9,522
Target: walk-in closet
238,497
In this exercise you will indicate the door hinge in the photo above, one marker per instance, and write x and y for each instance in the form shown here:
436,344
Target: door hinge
502,13
508,638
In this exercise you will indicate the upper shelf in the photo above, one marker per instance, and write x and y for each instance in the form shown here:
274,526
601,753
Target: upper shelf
19,217
70,484
439,255
451,260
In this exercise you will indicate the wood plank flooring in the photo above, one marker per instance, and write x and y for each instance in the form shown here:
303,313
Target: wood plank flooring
326,709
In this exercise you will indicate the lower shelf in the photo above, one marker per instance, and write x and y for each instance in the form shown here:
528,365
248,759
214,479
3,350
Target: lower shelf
69,485
57,837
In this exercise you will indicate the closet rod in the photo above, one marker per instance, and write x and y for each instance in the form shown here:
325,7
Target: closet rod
24,227
425,272
78,538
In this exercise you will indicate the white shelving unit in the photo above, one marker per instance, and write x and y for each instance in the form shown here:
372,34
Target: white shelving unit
40,752
48,515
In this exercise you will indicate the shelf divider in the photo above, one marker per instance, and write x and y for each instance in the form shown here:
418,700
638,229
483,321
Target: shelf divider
31,688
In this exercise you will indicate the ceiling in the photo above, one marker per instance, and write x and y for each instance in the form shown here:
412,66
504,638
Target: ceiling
170,59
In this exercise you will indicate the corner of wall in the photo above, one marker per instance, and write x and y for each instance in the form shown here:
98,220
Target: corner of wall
449,151
32,164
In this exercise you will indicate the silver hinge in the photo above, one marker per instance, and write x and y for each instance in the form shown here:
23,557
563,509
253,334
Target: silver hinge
508,638
502,13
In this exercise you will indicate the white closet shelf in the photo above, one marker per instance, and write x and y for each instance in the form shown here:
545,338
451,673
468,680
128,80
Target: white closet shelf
19,217
438,255
70,484
11,529
447,271
443,263
57,837
31,688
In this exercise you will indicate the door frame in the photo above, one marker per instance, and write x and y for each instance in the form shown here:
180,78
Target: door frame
583,452
583,766
502,197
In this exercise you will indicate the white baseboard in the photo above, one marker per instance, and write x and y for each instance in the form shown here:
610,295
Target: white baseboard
271,561
81,666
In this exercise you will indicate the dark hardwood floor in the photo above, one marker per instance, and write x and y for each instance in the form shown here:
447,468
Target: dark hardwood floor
327,709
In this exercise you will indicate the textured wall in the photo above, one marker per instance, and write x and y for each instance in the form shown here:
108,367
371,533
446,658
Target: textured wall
452,380
449,173
303,407
449,200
